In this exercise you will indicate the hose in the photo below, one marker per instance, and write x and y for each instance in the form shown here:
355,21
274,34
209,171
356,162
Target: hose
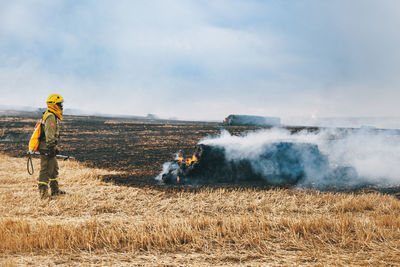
29,163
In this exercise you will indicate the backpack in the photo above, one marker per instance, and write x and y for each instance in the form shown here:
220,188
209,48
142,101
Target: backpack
38,134
35,138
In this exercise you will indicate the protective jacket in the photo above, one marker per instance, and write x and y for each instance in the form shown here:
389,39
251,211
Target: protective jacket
51,130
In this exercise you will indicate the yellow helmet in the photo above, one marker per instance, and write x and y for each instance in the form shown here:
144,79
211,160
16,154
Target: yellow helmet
54,99
55,104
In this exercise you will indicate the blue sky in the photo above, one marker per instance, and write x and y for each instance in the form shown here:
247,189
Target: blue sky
204,59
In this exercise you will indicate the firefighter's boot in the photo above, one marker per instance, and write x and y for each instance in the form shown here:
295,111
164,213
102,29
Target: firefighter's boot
55,191
43,190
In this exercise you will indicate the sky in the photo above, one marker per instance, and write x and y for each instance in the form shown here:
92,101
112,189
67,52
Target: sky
203,60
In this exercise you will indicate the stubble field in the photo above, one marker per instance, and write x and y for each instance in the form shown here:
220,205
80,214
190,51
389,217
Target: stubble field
134,222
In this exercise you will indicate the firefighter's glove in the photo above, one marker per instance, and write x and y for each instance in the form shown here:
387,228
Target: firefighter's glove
52,151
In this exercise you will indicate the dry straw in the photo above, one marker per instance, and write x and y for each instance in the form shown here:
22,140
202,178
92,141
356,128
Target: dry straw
211,226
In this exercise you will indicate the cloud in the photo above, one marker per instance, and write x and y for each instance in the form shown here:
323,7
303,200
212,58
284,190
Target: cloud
219,57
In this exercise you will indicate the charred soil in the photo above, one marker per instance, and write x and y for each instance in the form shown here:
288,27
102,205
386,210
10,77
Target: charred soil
136,148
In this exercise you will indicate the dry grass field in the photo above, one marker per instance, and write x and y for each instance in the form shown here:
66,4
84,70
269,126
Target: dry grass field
102,224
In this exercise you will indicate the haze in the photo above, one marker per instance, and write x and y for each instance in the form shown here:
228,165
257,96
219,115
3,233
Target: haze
203,60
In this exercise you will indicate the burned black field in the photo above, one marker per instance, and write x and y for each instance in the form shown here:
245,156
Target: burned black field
137,148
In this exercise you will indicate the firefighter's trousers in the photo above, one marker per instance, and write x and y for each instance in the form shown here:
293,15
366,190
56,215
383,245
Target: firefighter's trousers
48,169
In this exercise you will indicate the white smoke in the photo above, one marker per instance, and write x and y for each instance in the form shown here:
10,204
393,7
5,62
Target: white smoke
167,166
375,155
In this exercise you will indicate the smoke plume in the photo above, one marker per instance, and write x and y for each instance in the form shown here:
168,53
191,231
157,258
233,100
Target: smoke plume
354,156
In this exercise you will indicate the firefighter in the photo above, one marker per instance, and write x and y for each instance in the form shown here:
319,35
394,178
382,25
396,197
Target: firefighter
48,147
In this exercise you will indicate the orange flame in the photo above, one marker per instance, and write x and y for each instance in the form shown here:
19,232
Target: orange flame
190,160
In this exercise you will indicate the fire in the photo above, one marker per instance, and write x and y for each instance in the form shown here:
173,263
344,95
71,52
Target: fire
190,160
180,159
